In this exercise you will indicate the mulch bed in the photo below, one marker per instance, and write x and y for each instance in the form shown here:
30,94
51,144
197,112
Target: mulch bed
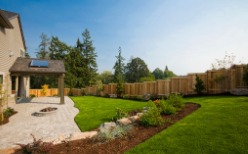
138,135
6,120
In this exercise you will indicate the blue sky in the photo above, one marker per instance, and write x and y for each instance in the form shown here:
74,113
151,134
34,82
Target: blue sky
185,35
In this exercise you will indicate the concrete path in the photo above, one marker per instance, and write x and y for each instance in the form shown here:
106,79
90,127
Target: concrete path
50,126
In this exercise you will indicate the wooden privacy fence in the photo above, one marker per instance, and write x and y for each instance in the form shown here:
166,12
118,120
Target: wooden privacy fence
48,92
215,82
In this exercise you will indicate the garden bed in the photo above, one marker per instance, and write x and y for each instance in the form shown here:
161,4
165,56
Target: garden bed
119,145
6,119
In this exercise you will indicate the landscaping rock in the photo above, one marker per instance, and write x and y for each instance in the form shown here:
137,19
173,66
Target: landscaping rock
83,135
136,117
240,92
107,125
124,121
139,114
58,140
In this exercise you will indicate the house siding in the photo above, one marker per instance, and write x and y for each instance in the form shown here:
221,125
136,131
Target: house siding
10,41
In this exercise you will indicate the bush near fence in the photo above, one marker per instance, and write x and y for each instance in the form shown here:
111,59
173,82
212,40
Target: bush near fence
215,82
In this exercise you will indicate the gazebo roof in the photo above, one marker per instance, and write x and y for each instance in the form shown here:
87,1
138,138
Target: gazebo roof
22,67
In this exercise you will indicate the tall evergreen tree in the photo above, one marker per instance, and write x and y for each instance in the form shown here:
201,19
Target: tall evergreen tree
119,73
43,52
88,61
58,50
73,77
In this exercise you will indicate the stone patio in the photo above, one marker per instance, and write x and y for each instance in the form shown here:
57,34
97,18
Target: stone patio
51,126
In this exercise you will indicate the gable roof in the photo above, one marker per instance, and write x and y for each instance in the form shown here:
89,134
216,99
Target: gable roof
5,17
9,15
22,66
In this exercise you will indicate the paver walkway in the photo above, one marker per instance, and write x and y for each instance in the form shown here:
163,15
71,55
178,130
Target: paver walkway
49,126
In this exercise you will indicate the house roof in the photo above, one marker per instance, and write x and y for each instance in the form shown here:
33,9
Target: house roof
22,67
5,17
9,15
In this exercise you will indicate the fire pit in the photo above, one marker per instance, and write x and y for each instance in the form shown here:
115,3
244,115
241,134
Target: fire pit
45,111
48,110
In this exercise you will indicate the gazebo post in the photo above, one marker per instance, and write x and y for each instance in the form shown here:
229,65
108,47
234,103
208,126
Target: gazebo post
61,89
59,85
16,85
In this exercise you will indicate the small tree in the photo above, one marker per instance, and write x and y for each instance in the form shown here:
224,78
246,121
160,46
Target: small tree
119,74
99,87
245,75
199,85
224,63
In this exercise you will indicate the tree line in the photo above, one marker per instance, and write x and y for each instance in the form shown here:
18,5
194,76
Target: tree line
81,66
80,61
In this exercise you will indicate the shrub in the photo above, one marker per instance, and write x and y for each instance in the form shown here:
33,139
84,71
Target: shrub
152,116
176,100
157,102
167,108
32,95
112,133
199,86
44,89
8,112
126,97
37,146
119,114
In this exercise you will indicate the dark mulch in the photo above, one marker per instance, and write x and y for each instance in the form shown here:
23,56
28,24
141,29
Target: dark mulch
138,135
6,119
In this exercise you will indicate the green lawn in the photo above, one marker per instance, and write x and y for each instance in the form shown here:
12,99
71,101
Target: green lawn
97,110
219,126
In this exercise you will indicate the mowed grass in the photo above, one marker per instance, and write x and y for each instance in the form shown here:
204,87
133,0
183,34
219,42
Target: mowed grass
94,111
219,126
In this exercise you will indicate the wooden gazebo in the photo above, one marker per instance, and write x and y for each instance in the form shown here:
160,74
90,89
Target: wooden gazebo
24,67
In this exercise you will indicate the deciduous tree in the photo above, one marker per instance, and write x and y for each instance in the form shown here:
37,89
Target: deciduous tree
158,73
135,70
224,63
106,77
